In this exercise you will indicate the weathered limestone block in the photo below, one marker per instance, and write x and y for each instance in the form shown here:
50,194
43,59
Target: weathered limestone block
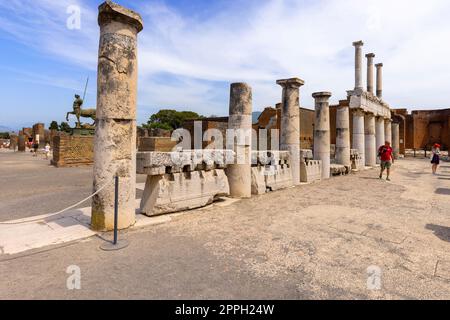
339,170
358,162
115,134
73,151
278,177
271,157
258,180
155,163
182,191
306,154
311,171
164,144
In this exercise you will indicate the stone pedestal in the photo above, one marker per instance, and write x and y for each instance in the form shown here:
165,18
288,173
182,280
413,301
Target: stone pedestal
72,151
358,134
290,123
370,141
239,140
396,139
379,134
115,134
388,130
322,131
343,136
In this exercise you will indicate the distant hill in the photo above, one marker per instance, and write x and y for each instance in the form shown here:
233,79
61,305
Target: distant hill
5,129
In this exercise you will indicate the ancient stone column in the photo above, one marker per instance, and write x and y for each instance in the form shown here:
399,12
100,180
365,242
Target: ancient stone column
290,123
370,141
379,134
115,133
388,130
343,136
358,133
379,80
358,65
240,122
322,131
396,139
370,86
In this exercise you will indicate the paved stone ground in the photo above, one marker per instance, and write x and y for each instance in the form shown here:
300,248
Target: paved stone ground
30,186
309,242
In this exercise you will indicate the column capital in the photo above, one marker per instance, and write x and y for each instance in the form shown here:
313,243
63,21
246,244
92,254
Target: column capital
379,65
358,43
110,11
322,94
370,55
291,83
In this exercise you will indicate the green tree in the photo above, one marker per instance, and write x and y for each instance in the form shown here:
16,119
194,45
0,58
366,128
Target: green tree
53,125
64,127
170,119
4,135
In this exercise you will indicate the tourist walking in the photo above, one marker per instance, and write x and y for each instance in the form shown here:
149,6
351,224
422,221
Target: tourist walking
35,148
47,150
385,153
435,157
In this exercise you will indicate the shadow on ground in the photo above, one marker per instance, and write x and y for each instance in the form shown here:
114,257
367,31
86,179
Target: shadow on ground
443,191
441,232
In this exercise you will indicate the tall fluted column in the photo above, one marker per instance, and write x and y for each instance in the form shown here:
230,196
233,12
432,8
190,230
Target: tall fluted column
370,85
322,131
115,132
290,123
370,141
379,133
379,67
388,130
396,139
358,133
343,136
240,125
358,65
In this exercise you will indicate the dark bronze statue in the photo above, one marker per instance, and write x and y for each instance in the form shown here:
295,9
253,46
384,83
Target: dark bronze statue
81,113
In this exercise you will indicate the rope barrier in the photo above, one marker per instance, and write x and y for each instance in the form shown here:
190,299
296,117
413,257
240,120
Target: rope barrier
59,212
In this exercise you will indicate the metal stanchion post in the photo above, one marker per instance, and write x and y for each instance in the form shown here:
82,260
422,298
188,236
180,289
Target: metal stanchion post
116,244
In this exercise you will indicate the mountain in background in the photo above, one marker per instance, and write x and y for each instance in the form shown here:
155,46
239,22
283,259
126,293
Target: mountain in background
6,129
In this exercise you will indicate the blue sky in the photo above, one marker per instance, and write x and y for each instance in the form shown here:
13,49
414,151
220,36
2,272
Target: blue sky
191,50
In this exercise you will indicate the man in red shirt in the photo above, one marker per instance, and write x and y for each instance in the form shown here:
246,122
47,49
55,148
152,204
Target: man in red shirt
387,159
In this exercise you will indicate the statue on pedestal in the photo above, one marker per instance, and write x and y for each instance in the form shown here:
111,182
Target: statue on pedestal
81,113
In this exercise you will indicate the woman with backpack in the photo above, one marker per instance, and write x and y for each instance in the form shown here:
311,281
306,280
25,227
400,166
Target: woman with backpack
435,157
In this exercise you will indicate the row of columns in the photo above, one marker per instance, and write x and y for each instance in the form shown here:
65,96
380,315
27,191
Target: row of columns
369,132
370,71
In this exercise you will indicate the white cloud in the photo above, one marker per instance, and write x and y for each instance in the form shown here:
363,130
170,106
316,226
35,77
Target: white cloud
260,44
